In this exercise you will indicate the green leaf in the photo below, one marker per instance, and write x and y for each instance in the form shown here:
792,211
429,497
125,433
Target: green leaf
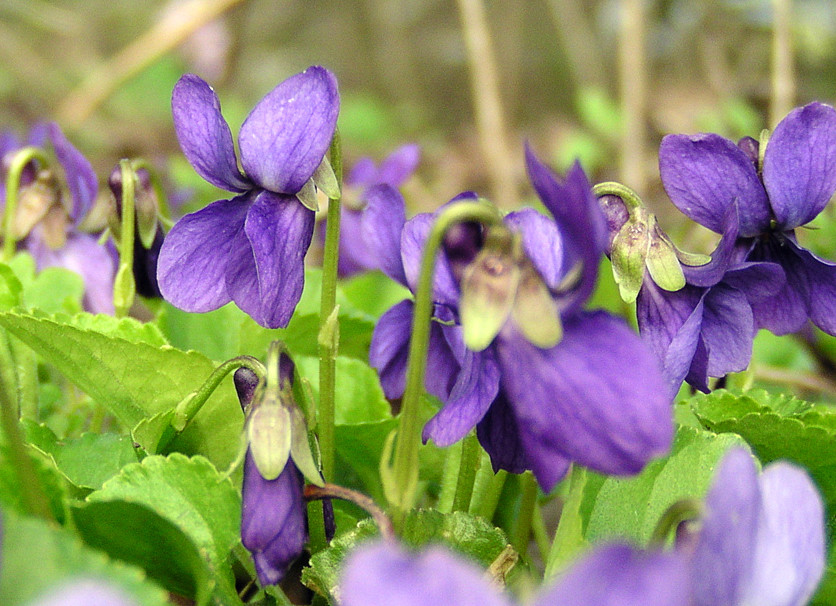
374,293
629,508
10,288
188,492
358,449
39,558
359,397
469,535
777,427
136,534
54,289
136,380
214,333
90,460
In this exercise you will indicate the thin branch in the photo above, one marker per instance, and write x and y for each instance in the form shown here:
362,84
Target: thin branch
490,119
783,79
633,84
165,35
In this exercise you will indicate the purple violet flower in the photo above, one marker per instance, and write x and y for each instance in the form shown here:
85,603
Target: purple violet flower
614,575
274,523
249,249
776,191
597,397
85,592
706,328
762,536
358,220
52,234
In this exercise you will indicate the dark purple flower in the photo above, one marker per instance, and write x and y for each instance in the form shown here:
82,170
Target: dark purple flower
706,328
49,222
614,575
597,397
249,249
776,191
274,526
762,537
363,198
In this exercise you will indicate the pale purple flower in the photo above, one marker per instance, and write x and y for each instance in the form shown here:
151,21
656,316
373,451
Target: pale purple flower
249,249
761,539
706,174
85,592
56,241
615,575
364,198
706,329
597,397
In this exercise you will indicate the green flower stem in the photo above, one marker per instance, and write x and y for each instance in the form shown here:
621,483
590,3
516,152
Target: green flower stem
317,541
27,378
409,428
449,477
191,405
467,472
487,490
328,324
610,188
541,535
19,162
528,500
568,538
124,287
680,511
34,497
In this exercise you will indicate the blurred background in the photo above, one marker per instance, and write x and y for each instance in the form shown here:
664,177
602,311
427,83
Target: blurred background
469,80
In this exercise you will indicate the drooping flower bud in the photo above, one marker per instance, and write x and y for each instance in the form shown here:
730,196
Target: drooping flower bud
502,283
35,201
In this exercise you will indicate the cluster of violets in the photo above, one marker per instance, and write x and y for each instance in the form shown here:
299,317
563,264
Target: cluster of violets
513,352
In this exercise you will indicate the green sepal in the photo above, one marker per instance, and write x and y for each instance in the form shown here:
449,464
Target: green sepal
269,436
124,289
300,448
535,312
146,208
692,259
662,262
307,196
325,179
489,288
629,253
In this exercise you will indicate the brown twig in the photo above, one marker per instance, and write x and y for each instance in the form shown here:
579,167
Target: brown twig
166,34
332,491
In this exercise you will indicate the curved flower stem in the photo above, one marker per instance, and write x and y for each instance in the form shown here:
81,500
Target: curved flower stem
191,405
19,162
681,511
486,507
124,286
522,530
467,473
365,502
612,188
34,497
329,328
409,430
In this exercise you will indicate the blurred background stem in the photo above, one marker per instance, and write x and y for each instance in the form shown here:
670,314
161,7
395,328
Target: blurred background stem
783,78
632,71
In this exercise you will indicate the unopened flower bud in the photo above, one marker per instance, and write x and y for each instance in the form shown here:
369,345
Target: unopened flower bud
146,205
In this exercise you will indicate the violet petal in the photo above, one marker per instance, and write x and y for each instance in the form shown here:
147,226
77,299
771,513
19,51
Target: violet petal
380,229
790,555
599,393
269,285
704,174
390,348
399,165
722,560
542,243
475,389
81,178
384,573
821,278
413,239
286,135
499,434
787,310
273,525
193,261
799,165
728,330
620,575
204,134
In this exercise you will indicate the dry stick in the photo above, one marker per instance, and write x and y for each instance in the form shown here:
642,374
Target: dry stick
328,491
783,81
794,378
490,121
166,34
580,43
633,84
